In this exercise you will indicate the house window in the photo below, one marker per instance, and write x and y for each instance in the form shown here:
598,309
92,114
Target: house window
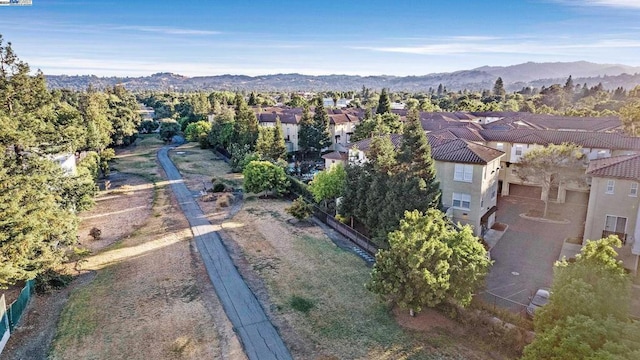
616,224
463,173
500,146
610,186
494,190
601,154
634,189
518,150
461,201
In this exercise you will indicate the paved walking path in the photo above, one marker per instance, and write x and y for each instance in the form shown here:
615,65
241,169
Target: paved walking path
259,338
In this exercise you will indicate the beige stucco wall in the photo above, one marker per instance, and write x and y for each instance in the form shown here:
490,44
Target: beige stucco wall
479,190
288,130
602,204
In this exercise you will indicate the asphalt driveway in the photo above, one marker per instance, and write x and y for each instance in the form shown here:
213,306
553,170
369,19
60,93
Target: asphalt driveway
524,257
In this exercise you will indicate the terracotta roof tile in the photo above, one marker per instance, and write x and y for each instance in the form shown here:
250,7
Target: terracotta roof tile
623,167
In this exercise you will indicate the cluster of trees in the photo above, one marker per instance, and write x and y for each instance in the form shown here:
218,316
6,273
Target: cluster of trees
38,199
392,182
587,316
313,135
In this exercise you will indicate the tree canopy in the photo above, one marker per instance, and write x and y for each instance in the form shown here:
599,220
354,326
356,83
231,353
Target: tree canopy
429,262
264,176
587,316
552,165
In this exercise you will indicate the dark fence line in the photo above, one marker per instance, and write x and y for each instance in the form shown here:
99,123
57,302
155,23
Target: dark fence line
347,231
16,309
10,317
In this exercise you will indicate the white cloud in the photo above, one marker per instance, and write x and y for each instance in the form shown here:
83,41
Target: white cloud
551,46
168,30
624,4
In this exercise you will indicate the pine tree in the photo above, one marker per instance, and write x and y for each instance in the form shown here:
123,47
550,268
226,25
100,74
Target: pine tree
246,123
498,88
278,147
264,143
305,131
321,127
252,99
384,104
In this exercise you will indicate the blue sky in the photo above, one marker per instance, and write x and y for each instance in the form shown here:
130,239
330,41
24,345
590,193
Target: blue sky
401,37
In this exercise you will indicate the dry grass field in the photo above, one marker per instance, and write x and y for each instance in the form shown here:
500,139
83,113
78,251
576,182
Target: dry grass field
313,290
151,297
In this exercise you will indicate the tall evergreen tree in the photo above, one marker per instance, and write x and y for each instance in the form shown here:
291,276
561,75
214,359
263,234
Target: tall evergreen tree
305,131
279,147
384,104
415,156
246,123
498,88
264,143
252,99
321,127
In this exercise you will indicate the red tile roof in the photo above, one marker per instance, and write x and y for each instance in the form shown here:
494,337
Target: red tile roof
622,167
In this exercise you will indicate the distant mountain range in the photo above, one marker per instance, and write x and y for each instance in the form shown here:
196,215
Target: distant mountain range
515,77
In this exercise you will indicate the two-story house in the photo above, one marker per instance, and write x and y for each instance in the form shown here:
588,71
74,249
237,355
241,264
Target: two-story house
468,176
614,204
467,173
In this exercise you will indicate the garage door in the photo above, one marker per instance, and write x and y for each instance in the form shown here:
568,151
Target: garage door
577,197
533,192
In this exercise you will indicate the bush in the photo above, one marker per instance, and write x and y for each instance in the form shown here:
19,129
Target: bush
263,176
50,280
95,233
299,188
219,187
300,209
198,131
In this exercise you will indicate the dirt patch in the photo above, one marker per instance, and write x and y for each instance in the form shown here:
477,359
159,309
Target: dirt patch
118,212
427,320
499,226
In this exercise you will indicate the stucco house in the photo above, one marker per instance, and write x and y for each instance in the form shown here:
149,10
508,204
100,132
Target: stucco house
614,204
468,176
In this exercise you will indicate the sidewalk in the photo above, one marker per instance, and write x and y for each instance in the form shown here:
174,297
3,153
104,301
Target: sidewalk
259,337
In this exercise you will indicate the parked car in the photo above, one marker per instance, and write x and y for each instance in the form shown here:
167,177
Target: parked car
540,299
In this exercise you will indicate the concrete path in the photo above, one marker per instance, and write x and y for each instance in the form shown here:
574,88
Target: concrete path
259,337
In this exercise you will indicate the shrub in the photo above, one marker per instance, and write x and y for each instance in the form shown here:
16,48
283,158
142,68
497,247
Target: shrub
95,233
50,280
219,187
300,209
263,176
224,200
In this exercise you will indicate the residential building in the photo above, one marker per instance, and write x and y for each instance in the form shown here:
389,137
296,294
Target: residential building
467,173
614,204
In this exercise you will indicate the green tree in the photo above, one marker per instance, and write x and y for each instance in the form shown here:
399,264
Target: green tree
384,104
306,131
199,131
321,137
168,129
35,224
246,123
630,117
415,157
552,165
279,148
587,316
264,176
264,144
429,262
328,184
221,133
252,99
498,89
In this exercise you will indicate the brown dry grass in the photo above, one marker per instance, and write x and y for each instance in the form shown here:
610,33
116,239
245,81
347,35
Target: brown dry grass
346,321
151,297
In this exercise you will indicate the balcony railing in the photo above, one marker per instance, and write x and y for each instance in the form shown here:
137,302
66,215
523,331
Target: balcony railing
621,236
